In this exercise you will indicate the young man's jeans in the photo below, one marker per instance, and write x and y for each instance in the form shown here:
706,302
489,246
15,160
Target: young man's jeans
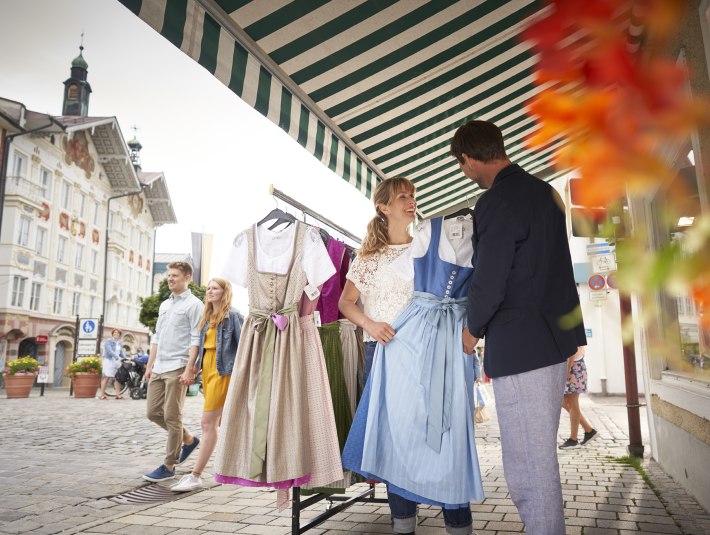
404,511
404,516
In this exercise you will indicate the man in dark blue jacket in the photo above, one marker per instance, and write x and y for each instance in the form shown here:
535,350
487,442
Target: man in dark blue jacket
523,299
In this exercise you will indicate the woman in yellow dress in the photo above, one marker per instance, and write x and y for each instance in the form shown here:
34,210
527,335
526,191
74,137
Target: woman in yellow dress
220,328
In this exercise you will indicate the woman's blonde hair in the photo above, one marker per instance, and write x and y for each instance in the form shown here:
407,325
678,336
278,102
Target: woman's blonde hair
377,237
215,314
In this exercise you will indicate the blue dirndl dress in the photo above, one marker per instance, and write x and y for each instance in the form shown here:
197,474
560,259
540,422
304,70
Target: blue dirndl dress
413,428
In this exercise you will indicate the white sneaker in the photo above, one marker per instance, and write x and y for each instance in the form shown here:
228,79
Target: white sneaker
187,483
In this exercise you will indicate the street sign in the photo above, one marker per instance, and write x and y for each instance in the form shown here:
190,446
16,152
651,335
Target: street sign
599,248
43,376
41,339
596,282
597,295
588,332
611,281
88,329
603,263
86,347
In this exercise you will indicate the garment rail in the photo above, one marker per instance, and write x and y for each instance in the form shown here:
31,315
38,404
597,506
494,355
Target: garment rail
366,496
298,206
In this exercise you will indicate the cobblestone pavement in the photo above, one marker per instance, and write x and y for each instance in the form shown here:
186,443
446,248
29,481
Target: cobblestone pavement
62,459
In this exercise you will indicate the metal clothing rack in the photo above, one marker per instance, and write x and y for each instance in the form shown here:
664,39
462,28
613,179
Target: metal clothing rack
366,496
281,195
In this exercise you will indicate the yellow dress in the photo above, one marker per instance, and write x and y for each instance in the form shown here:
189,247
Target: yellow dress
214,385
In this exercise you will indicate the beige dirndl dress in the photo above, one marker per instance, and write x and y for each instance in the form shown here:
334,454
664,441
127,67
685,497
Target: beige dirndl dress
277,393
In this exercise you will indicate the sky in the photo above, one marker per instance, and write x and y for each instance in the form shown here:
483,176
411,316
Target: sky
219,155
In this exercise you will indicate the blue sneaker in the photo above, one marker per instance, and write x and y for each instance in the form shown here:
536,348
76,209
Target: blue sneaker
187,450
160,474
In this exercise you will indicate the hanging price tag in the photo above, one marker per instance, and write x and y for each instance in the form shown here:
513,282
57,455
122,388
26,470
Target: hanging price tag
311,291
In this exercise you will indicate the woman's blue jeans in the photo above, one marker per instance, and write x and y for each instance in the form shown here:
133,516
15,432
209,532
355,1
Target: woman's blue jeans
404,516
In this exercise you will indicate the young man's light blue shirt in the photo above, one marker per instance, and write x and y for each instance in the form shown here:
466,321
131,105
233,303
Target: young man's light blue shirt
176,330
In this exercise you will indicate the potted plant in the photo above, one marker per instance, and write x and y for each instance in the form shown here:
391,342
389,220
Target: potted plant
19,376
85,374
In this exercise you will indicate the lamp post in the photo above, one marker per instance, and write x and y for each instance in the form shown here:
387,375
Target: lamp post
108,213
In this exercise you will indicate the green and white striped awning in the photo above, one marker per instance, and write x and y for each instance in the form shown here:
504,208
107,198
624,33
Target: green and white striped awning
372,88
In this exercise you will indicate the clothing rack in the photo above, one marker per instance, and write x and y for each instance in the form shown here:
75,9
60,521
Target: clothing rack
366,496
297,205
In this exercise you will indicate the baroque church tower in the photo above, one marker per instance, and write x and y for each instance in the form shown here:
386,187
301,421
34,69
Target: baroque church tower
76,88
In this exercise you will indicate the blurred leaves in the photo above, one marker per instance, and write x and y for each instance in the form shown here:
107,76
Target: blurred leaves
618,108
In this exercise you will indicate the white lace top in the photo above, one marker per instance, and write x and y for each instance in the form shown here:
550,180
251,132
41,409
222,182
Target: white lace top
382,292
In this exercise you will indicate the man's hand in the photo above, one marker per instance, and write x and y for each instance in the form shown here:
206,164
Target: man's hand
147,374
187,377
469,341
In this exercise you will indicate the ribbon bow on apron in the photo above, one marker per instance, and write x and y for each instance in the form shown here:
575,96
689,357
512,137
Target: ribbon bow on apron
266,322
443,314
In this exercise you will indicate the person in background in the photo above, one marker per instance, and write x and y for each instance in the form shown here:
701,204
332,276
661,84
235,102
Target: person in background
113,353
521,293
175,342
576,385
220,328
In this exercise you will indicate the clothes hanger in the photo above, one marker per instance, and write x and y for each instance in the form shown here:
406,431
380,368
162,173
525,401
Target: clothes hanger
280,216
460,213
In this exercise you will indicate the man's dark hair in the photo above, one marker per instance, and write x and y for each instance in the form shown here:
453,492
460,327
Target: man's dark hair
480,140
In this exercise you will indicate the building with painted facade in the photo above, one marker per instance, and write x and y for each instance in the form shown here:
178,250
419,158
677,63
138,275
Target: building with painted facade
78,227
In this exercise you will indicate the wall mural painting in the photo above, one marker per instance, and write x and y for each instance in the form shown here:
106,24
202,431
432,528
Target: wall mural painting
44,212
76,151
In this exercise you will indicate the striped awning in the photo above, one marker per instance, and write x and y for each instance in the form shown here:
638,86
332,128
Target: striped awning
372,88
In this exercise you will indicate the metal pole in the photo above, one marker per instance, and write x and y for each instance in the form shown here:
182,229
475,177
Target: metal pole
76,348
635,446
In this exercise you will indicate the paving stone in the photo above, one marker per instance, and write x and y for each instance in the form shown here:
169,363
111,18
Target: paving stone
600,496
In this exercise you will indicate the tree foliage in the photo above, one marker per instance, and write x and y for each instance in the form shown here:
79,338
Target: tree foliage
150,305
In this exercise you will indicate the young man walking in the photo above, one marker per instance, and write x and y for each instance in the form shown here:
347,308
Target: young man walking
522,297
176,340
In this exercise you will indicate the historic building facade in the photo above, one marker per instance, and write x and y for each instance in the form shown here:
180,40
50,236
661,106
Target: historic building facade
78,228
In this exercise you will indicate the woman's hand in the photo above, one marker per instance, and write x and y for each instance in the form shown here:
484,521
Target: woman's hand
382,332
187,377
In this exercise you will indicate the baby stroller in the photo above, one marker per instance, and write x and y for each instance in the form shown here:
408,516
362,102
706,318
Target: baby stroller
131,375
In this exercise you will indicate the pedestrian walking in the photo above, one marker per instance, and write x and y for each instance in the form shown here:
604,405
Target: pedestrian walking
576,385
174,343
113,353
521,291
220,328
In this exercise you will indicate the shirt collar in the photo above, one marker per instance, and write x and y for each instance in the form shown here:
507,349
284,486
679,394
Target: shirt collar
505,173
183,295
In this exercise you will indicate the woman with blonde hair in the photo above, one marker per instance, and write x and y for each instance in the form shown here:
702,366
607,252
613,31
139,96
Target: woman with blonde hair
220,328
413,429
382,293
